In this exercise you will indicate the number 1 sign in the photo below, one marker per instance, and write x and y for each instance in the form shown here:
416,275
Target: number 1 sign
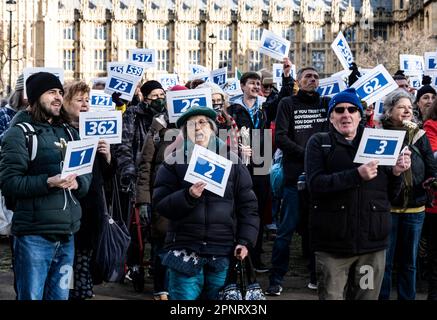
79,157
381,145
274,45
209,167
375,84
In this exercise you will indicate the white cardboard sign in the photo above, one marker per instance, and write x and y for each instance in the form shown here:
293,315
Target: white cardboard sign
379,144
180,101
125,84
219,76
375,84
411,64
343,51
209,167
168,80
100,101
430,61
331,86
146,57
79,157
278,69
273,45
104,125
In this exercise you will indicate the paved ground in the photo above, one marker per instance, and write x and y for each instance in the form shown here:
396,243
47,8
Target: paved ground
295,284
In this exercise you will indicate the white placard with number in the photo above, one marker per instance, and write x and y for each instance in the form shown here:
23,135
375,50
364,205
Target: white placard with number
146,57
209,167
168,80
134,69
180,101
273,45
431,62
375,84
219,76
416,82
379,109
123,83
232,87
379,144
79,157
412,65
27,72
104,125
331,86
116,67
278,69
198,72
343,51
100,101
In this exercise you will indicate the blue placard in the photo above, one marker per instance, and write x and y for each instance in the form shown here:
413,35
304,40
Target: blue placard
347,54
371,86
101,101
120,85
142,57
101,127
209,170
275,45
219,79
380,147
116,69
134,70
81,157
278,73
182,105
328,90
432,64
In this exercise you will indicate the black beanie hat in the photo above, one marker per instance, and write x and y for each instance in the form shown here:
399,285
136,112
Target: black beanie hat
40,82
149,86
426,88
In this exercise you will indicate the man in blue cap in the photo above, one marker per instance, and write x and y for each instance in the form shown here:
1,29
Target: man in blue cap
350,205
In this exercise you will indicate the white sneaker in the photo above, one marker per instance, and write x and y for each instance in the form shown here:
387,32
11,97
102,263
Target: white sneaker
312,286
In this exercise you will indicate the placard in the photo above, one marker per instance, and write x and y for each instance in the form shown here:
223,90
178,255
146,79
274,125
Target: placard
219,76
180,101
375,85
431,61
331,86
79,157
168,80
411,64
122,83
100,101
232,87
342,51
146,57
273,45
278,69
209,167
379,144
104,125
116,67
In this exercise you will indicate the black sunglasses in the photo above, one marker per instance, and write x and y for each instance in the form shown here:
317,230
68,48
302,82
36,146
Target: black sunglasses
342,109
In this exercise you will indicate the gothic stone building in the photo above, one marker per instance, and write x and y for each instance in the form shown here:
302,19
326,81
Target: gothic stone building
81,36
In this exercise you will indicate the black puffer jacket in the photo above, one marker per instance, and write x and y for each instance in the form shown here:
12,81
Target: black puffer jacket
348,215
209,225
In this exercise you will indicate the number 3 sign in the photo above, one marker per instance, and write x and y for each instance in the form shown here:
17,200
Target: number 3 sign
209,167
381,145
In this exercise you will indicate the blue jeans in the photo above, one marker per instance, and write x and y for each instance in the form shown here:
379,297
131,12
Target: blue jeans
406,230
281,247
183,287
43,269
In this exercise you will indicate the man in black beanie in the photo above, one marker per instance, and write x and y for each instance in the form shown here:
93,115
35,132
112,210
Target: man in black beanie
47,212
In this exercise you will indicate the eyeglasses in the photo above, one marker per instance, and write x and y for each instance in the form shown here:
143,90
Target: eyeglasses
342,109
201,123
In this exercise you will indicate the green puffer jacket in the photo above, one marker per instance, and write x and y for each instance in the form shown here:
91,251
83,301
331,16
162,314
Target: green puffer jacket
39,209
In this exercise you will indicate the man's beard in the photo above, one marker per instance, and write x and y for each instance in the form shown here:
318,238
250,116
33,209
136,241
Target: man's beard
48,112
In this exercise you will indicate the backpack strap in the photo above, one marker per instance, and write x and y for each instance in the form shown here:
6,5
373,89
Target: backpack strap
327,144
68,130
31,139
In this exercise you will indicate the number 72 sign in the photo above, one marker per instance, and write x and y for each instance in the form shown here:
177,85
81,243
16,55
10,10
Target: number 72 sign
79,157
381,145
209,167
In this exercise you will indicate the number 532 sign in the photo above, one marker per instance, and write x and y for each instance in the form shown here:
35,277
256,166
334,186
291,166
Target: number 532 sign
381,145
104,125
180,101
209,167
375,85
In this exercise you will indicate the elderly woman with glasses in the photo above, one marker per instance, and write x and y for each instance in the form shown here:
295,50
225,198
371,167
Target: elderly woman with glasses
205,229
408,209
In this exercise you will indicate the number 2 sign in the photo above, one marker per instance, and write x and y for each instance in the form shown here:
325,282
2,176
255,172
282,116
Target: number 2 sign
207,166
79,157
375,84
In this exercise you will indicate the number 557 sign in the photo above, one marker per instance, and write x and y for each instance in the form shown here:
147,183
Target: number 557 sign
381,145
180,101
375,84
209,167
